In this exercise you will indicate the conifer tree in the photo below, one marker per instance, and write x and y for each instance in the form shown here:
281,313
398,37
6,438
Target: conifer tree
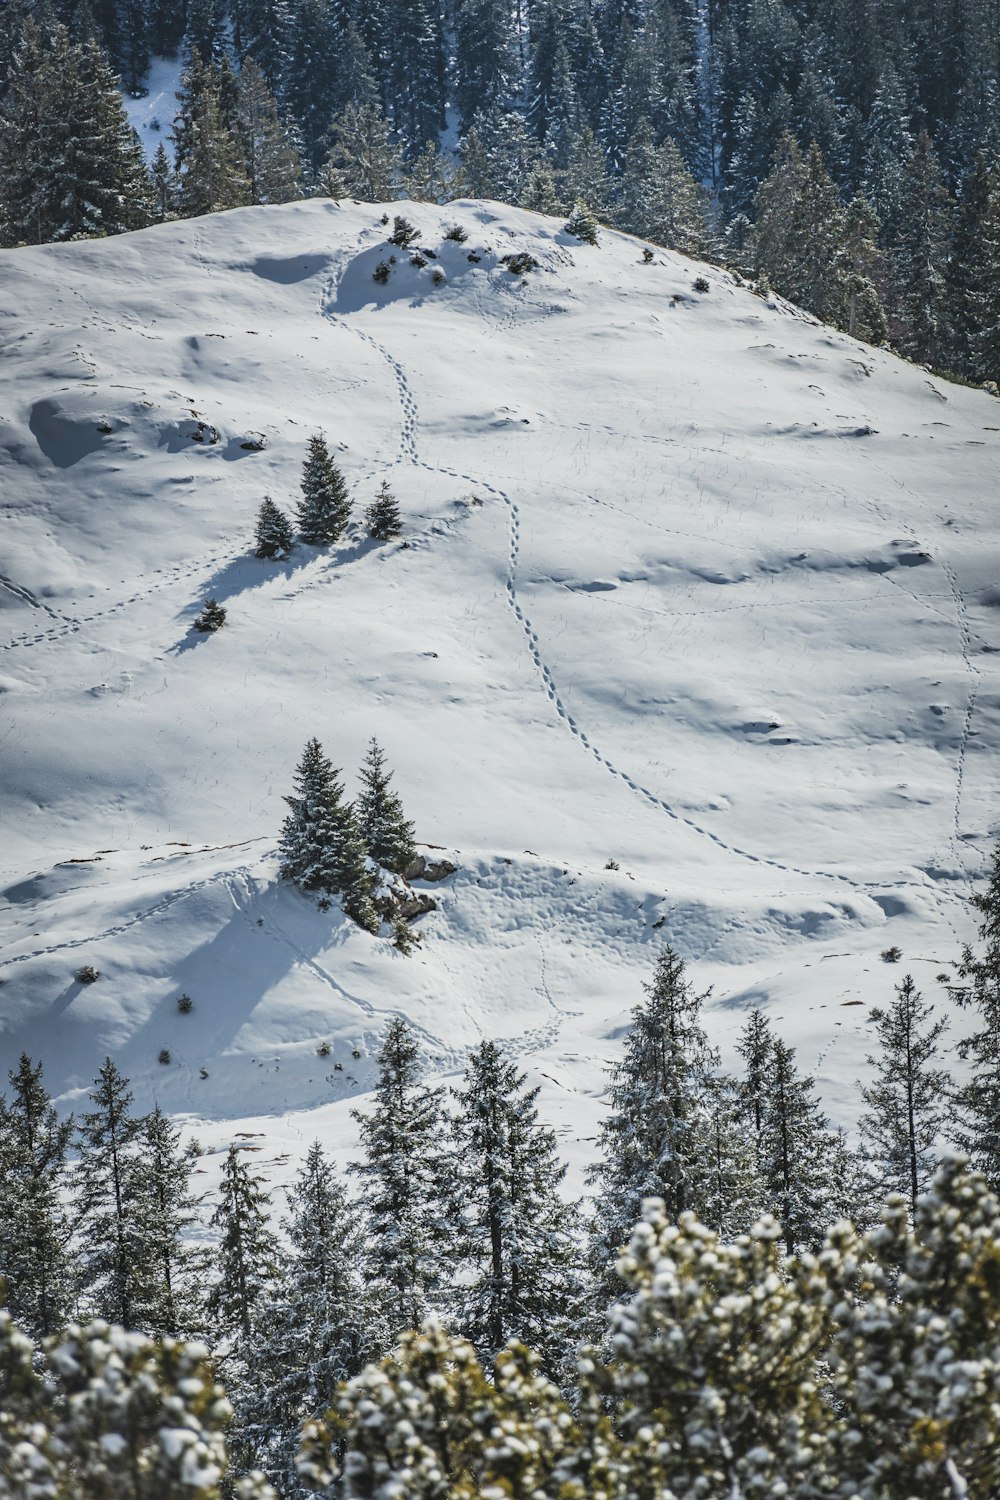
270,162
756,1047
382,517
34,1229
653,1140
521,1272
274,536
355,874
585,174
387,834
247,1253
407,1176
318,1329
907,1103
313,832
981,1095
731,1195
799,229
795,1145
582,223
325,508
361,157
918,244
858,269
210,171
430,176
164,182
117,1254
171,1212
484,60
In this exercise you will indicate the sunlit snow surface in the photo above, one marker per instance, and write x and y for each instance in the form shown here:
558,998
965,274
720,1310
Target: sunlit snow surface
687,581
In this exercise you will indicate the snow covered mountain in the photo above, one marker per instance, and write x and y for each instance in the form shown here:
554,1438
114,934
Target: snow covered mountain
687,582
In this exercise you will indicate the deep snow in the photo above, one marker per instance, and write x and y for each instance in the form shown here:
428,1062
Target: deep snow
687,581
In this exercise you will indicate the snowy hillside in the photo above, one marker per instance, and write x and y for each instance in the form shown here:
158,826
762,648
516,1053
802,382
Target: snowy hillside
687,582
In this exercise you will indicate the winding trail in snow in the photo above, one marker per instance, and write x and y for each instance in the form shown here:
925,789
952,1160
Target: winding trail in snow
409,454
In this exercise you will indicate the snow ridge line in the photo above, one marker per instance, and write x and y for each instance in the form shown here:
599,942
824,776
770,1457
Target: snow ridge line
408,453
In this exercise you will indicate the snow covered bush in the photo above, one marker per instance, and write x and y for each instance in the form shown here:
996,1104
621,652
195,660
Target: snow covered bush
212,617
403,232
582,223
86,974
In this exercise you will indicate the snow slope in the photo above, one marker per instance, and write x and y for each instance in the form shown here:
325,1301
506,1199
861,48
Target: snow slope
687,581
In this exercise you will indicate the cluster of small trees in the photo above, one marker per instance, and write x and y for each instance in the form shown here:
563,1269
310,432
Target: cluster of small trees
336,847
325,508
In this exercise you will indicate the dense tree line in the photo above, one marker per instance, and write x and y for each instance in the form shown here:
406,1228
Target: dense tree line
736,1182
847,154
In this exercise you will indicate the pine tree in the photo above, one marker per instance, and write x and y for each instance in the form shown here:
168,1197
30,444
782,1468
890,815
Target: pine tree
407,1187
981,1095
795,1143
498,154
171,1212
312,834
541,192
415,75
247,1253
34,1229
918,242
382,517
585,176
164,185
356,875
387,834
209,168
484,60
361,155
318,1330
211,618
274,536
430,175
756,1047
799,228
521,1273
907,1103
325,508
270,162
582,223
731,1196
653,1140
116,1255
858,268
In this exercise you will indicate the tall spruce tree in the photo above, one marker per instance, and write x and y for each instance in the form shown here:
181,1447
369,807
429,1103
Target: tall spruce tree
407,1173
248,1255
484,58
653,1140
362,161
117,1252
521,1272
175,1307
795,1146
312,835
981,991
210,172
383,824
319,1329
325,508
270,162
35,1264
907,1104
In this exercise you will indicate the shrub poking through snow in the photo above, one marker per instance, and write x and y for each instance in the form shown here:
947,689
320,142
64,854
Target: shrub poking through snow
381,272
891,955
212,617
582,223
274,536
456,233
520,263
164,1056
403,232
403,935
418,261
701,285
382,517
647,256
86,974
184,1004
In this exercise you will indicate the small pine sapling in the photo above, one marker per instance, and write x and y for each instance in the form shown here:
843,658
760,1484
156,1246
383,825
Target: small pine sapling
86,974
403,232
274,536
164,1056
891,955
582,223
456,233
185,1004
382,517
701,285
519,264
403,935
647,256
212,617
381,272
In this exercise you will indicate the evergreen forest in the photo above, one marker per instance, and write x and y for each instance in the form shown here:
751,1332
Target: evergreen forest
845,156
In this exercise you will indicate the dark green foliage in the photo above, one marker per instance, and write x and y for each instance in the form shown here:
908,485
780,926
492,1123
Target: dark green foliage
387,834
520,1253
270,161
325,507
381,272
86,974
794,1149
313,833
407,1177
582,223
34,1229
212,617
981,991
404,233
247,1252
908,1103
209,164
382,517
274,536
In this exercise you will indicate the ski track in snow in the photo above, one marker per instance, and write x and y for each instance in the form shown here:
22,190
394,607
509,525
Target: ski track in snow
408,454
